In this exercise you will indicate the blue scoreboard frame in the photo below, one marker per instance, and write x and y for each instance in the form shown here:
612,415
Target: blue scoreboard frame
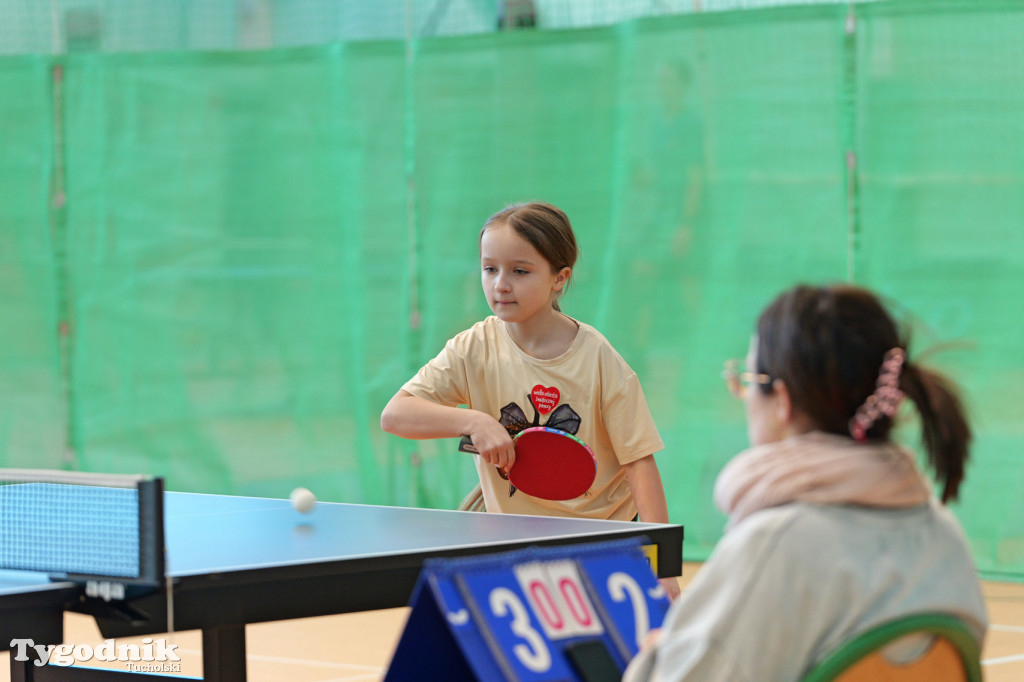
533,615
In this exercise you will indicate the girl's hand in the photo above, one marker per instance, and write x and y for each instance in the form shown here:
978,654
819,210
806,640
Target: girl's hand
652,639
493,443
671,586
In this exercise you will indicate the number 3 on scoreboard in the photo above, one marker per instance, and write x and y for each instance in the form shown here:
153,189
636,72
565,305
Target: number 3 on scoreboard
534,655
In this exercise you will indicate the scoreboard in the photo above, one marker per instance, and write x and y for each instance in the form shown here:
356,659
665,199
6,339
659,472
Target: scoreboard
574,613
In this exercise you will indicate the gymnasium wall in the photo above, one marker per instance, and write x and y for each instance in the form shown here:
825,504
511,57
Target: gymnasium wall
219,266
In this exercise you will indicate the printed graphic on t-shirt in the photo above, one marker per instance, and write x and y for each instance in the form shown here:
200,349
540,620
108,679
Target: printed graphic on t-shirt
543,399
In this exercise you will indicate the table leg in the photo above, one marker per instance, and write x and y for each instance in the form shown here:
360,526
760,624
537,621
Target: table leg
21,671
224,654
46,627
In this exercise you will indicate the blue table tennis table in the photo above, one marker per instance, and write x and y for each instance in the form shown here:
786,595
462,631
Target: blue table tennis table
237,560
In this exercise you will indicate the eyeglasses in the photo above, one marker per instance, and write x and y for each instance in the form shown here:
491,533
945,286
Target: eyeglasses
737,381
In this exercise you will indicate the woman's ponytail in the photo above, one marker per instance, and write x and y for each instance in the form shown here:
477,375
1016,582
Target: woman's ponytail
944,427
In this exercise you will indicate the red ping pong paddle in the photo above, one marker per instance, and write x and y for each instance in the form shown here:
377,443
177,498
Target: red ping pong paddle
552,464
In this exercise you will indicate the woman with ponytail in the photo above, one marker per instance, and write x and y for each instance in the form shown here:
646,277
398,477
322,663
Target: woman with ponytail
832,527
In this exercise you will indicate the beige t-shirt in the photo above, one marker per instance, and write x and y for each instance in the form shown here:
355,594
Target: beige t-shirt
589,385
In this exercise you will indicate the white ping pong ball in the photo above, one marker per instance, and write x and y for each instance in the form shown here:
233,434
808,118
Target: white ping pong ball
303,500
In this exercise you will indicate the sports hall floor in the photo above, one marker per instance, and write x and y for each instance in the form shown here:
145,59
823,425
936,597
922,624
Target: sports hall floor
357,647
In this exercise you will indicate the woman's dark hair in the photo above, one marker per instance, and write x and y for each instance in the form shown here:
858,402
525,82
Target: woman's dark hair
828,343
546,228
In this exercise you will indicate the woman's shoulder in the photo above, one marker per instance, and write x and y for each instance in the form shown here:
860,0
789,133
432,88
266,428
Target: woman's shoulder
816,535
768,528
812,518
789,530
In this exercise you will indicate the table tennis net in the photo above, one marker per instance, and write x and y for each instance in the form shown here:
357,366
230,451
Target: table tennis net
79,525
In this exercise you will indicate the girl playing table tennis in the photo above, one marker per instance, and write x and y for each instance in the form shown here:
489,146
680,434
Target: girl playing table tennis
832,528
531,365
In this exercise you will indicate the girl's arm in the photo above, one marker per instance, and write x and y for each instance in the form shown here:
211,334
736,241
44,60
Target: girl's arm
409,416
649,497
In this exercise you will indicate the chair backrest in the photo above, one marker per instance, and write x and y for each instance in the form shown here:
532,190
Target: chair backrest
473,501
951,653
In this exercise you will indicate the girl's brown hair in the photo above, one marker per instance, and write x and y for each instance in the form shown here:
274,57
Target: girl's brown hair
546,228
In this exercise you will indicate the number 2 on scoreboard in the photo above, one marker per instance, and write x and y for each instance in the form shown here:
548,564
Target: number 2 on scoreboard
623,586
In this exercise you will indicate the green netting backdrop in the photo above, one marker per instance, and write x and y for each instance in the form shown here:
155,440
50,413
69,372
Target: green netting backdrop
218,267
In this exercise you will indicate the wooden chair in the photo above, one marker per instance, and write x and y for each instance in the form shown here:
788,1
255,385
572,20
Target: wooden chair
473,501
925,647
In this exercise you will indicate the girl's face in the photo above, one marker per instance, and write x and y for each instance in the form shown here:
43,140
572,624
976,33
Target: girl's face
517,280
